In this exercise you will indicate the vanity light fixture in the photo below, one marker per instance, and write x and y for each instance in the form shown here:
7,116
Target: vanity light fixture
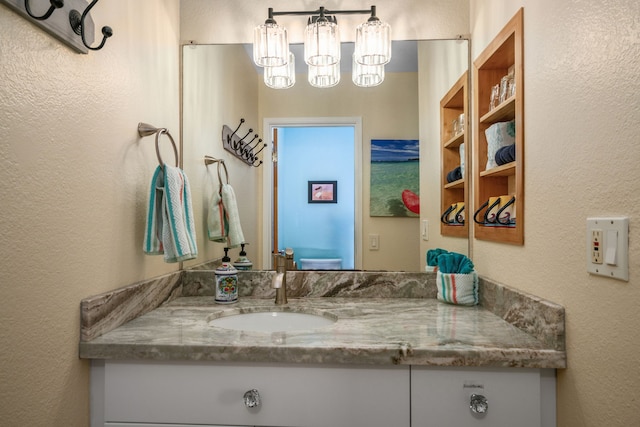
373,41
366,75
281,77
322,40
322,48
270,44
323,76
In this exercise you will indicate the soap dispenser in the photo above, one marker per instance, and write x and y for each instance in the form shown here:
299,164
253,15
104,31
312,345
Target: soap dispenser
243,263
226,281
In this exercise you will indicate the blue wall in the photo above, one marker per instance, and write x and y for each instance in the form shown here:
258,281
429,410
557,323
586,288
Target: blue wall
316,230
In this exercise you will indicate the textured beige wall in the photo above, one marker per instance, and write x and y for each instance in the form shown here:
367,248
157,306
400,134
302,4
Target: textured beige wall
75,183
582,150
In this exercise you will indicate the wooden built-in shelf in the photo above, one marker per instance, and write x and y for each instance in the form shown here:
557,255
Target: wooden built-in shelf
504,111
455,141
455,184
507,169
454,103
504,53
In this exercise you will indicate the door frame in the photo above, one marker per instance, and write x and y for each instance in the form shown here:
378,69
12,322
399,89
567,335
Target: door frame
267,177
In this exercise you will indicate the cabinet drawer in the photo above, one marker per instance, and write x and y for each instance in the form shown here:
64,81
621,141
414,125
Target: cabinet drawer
292,395
441,396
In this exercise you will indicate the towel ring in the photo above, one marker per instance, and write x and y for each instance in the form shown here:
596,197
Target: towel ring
145,129
173,144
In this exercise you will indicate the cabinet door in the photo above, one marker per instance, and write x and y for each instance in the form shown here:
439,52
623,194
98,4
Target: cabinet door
440,397
292,395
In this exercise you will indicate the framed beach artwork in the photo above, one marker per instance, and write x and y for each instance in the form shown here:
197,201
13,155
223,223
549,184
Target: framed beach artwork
323,191
395,178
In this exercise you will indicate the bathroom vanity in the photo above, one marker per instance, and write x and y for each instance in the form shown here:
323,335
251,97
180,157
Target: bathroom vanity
407,360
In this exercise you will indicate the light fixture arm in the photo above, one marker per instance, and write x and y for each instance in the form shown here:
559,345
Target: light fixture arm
323,12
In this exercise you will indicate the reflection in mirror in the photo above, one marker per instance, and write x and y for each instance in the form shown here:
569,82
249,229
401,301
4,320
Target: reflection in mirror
221,85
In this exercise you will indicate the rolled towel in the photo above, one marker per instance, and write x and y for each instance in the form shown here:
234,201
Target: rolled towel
432,256
498,135
453,262
506,154
454,174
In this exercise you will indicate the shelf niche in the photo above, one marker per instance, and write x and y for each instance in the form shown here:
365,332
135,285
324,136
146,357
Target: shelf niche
453,104
505,52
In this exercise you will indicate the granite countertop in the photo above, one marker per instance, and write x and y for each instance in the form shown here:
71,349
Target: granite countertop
368,330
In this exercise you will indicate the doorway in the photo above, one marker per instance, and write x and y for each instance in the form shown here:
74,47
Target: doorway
311,155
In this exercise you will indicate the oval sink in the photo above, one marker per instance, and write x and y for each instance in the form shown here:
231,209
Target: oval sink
272,321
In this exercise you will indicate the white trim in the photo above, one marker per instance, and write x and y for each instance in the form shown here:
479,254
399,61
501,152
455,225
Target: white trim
267,177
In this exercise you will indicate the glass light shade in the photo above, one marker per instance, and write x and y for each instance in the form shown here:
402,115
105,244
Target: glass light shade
322,43
373,43
367,75
324,75
270,45
282,77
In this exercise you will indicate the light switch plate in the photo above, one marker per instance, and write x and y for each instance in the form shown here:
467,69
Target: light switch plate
425,229
374,242
613,247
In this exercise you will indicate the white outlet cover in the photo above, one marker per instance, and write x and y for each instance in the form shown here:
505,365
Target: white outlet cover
620,225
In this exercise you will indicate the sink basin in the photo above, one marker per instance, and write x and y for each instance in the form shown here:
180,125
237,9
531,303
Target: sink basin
273,321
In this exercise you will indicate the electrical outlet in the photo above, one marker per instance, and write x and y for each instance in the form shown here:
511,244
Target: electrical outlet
596,246
608,247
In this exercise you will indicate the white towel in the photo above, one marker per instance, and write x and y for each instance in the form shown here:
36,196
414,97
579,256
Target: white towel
170,227
457,288
217,224
236,237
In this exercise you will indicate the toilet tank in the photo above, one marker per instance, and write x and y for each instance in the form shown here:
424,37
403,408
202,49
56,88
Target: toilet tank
320,263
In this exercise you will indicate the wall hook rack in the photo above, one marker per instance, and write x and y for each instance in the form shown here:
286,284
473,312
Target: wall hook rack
67,20
77,23
240,147
55,4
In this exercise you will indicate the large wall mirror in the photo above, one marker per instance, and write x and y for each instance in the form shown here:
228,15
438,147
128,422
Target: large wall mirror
221,85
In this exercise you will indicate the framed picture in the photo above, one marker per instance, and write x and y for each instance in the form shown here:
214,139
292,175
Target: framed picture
323,191
395,178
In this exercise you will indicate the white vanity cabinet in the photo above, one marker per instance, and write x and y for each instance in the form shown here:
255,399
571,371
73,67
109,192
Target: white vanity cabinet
505,397
204,394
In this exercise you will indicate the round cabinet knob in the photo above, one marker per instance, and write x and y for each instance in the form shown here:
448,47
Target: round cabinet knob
252,399
478,404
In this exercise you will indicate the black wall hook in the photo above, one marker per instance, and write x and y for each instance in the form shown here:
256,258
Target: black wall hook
55,4
77,23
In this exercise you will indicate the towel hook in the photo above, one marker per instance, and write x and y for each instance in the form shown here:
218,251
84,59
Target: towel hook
55,4
77,23
145,129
